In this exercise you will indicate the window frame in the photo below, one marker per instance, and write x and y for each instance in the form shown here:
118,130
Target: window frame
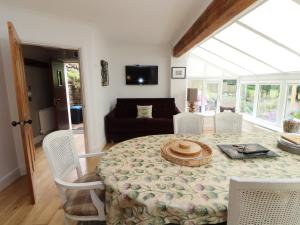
288,83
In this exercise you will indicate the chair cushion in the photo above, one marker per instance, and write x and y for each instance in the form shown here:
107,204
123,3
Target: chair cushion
79,202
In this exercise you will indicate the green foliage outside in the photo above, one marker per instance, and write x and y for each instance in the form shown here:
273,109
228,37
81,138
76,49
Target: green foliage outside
73,74
296,115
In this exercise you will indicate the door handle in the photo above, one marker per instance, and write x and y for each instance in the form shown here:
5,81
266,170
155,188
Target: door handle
15,123
28,121
56,101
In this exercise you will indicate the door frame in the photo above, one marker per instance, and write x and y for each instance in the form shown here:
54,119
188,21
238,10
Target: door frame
82,78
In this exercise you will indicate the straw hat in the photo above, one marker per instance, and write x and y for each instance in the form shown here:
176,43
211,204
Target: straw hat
185,147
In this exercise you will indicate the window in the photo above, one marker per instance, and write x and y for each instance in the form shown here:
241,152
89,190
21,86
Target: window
247,98
211,98
219,62
199,85
265,50
293,102
268,100
229,93
244,61
284,31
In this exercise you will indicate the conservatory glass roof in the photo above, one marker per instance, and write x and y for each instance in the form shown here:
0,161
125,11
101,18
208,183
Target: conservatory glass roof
265,41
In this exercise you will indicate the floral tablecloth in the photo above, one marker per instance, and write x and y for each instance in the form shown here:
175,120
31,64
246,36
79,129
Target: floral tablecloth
143,188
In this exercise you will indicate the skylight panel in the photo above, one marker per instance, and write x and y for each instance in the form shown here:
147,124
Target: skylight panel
195,67
215,60
259,47
278,19
237,57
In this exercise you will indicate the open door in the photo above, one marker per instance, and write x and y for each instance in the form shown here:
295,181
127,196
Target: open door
60,95
23,108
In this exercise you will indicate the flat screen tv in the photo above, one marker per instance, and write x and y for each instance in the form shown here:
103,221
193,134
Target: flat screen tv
141,75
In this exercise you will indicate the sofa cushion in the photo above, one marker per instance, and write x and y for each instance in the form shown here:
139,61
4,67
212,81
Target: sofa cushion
161,107
144,111
127,125
156,125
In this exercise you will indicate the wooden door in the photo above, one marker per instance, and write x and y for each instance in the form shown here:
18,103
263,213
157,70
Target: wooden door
23,108
60,95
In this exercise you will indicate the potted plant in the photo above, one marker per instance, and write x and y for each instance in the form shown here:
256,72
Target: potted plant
292,125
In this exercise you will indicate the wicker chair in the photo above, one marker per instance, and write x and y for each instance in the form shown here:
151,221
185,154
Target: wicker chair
83,200
188,123
228,122
264,202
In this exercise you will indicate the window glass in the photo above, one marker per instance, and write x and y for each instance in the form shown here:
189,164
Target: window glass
219,62
267,104
247,98
229,93
259,47
226,52
285,31
211,98
199,85
293,102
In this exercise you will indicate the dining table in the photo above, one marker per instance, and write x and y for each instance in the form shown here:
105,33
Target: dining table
143,188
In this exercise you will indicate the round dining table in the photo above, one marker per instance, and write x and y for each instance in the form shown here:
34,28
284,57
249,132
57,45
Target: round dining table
143,188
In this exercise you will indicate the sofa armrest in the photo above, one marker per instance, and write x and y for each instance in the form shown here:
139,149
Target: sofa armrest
110,116
176,110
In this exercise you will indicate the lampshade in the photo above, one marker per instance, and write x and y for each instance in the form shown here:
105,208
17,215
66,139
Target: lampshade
192,94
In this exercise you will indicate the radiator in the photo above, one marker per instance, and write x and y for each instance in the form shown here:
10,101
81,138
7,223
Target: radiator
47,120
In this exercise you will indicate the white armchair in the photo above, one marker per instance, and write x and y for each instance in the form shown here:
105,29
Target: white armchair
83,200
188,123
228,122
264,202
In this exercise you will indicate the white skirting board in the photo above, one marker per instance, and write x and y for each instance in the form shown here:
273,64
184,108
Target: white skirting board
9,178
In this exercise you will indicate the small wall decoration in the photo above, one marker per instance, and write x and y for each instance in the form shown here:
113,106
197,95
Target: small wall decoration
178,73
104,73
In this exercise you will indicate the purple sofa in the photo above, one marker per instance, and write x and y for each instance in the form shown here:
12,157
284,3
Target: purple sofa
121,123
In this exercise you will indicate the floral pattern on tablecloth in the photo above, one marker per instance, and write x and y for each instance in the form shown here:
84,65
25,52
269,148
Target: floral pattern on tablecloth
143,188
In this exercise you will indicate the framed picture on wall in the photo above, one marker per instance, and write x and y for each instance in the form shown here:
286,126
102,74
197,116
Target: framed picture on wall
178,72
104,73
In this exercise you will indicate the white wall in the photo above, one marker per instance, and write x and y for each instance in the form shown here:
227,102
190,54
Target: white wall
46,30
178,86
43,29
121,54
9,168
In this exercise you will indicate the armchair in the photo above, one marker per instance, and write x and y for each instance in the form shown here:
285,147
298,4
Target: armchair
83,199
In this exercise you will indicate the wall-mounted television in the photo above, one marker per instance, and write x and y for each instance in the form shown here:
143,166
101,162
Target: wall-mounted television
141,75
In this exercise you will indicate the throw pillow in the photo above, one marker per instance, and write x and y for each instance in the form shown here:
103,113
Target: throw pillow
144,111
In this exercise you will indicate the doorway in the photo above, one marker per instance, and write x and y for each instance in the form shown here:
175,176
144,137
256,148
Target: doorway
54,91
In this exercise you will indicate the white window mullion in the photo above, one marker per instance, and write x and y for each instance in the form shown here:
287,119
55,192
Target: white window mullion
282,103
257,86
238,95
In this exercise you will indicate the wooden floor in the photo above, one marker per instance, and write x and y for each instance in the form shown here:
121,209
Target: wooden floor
15,207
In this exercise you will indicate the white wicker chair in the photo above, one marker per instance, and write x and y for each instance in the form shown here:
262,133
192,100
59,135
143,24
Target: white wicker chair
228,122
188,123
264,202
83,199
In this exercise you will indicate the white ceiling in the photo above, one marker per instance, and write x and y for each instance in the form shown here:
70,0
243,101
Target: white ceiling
135,21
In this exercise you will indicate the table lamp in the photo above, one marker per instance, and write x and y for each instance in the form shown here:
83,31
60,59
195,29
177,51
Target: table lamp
192,95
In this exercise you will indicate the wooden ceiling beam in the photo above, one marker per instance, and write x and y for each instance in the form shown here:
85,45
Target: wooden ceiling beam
217,14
